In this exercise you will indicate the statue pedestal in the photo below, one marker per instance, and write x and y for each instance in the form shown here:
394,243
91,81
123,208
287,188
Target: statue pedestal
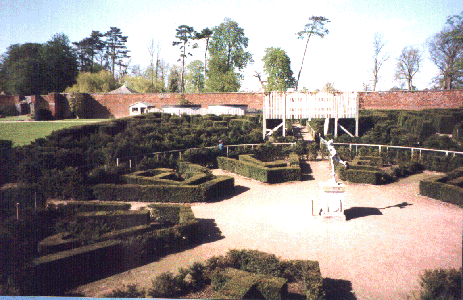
332,200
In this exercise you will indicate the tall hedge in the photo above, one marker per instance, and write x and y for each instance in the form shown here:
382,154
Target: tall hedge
435,188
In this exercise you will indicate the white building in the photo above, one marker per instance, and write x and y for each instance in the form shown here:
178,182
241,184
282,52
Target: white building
141,108
228,109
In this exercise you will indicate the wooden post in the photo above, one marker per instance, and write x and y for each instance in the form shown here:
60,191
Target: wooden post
336,127
17,211
130,164
357,126
35,201
117,161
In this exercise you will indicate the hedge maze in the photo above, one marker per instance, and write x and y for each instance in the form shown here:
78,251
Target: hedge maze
101,241
191,184
448,188
267,172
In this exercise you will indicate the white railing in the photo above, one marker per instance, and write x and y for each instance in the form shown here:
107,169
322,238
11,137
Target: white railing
226,147
412,149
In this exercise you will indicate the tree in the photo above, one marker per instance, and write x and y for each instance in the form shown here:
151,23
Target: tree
316,27
184,34
329,88
277,66
22,69
227,54
205,34
87,51
61,64
154,67
195,77
173,81
116,48
408,64
378,58
102,81
446,52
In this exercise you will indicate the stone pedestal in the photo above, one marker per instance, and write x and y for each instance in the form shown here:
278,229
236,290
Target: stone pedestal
332,195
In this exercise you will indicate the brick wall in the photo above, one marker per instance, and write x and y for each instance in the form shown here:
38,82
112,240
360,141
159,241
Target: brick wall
8,100
118,104
411,100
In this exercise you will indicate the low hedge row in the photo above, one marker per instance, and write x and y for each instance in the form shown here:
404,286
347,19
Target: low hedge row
238,284
84,206
369,161
272,164
171,213
435,188
258,172
116,219
55,273
204,192
293,160
365,176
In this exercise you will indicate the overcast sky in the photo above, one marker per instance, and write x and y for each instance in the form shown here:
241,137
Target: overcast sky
343,57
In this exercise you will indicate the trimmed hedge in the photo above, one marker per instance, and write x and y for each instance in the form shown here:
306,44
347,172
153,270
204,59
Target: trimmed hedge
244,285
83,206
259,172
55,273
369,160
435,188
117,219
293,160
22,194
365,176
272,164
204,192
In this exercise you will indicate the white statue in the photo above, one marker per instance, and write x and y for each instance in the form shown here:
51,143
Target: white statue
333,156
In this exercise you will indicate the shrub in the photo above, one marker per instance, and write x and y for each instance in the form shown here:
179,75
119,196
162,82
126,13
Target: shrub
440,284
365,176
435,188
165,285
129,291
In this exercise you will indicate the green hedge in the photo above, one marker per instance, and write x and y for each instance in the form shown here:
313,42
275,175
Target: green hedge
365,176
435,188
23,194
293,160
219,124
252,159
204,192
117,219
368,160
258,172
55,273
244,285
83,206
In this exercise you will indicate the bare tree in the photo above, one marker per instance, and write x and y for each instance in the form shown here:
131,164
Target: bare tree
408,64
378,57
446,52
316,26
154,49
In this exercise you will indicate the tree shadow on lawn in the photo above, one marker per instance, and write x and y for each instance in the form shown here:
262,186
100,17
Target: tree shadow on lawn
239,189
359,212
338,289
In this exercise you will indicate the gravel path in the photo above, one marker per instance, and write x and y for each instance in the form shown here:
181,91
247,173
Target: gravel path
392,234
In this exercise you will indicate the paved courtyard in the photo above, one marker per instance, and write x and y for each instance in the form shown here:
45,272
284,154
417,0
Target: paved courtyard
392,234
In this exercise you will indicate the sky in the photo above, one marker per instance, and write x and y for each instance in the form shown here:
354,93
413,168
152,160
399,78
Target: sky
343,57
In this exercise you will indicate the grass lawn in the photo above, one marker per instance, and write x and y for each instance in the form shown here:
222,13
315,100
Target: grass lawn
23,132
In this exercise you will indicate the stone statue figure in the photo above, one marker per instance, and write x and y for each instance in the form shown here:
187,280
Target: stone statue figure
333,156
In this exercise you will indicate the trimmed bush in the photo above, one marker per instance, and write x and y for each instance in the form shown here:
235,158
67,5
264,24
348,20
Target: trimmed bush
365,176
440,284
23,194
369,161
219,124
435,187
116,219
55,273
81,206
252,159
259,172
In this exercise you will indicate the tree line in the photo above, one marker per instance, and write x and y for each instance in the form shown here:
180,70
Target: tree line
101,62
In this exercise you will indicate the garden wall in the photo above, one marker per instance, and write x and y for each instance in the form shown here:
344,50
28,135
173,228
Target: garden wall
415,100
117,105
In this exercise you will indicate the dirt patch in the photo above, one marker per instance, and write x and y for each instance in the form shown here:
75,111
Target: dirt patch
391,236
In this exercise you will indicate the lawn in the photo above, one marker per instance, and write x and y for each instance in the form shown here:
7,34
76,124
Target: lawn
24,132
